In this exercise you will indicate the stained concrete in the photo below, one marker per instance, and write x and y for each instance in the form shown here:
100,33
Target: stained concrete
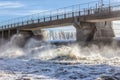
104,31
85,31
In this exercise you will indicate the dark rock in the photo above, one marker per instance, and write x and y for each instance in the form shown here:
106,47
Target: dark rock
72,77
26,79
46,70
108,78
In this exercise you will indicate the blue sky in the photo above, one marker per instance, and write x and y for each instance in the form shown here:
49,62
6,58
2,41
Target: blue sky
17,8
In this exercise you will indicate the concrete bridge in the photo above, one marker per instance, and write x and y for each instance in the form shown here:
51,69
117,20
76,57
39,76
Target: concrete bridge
91,22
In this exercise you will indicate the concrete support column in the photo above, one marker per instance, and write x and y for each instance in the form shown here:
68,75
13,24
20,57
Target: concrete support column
17,31
2,37
2,34
44,35
40,35
85,31
8,34
104,31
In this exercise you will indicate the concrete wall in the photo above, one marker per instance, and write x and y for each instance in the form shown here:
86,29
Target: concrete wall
85,31
104,31
40,34
7,34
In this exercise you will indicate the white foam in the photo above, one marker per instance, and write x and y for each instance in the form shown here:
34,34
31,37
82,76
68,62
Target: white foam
44,60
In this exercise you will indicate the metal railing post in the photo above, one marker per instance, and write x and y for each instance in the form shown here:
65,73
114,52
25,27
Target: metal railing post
44,19
5,26
84,11
79,13
65,15
38,20
14,25
18,24
57,17
109,9
27,22
8,27
109,6
72,14
22,23
11,25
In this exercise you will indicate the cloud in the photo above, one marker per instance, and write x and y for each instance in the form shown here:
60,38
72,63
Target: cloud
115,0
23,12
29,12
7,4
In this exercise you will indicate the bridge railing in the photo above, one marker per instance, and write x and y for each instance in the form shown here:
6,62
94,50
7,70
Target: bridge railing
62,13
48,15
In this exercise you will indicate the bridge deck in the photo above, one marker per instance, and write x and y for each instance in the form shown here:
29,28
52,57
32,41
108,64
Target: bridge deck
94,14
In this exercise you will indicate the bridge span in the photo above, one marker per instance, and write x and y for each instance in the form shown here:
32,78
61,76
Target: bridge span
91,22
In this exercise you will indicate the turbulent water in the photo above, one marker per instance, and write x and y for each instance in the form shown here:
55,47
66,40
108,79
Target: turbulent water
44,61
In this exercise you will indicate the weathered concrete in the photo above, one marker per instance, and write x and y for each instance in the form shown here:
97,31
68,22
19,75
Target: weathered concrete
104,31
40,34
7,34
85,31
26,34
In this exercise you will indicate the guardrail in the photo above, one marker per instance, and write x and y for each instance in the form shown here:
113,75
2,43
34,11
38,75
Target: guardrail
90,8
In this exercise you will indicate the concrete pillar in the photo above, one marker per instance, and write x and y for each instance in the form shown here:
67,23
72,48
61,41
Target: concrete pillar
8,34
13,32
85,31
5,34
18,31
104,31
40,34
2,34
44,35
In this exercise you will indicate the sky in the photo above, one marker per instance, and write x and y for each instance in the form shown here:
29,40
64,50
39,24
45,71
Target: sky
10,9
18,8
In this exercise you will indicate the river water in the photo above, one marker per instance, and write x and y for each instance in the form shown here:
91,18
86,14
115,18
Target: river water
44,61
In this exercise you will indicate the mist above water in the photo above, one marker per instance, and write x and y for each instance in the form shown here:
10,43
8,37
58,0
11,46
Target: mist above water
35,49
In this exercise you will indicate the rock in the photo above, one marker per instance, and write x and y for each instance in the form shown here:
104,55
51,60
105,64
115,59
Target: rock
108,78
73,77
18,79
24,79
45,70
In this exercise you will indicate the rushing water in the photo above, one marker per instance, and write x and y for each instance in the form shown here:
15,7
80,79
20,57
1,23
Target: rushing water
61,35
44,61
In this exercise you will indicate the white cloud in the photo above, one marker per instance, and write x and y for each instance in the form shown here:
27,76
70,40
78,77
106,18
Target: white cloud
23,15
7,4
30,12
20,13
116,0
37,11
